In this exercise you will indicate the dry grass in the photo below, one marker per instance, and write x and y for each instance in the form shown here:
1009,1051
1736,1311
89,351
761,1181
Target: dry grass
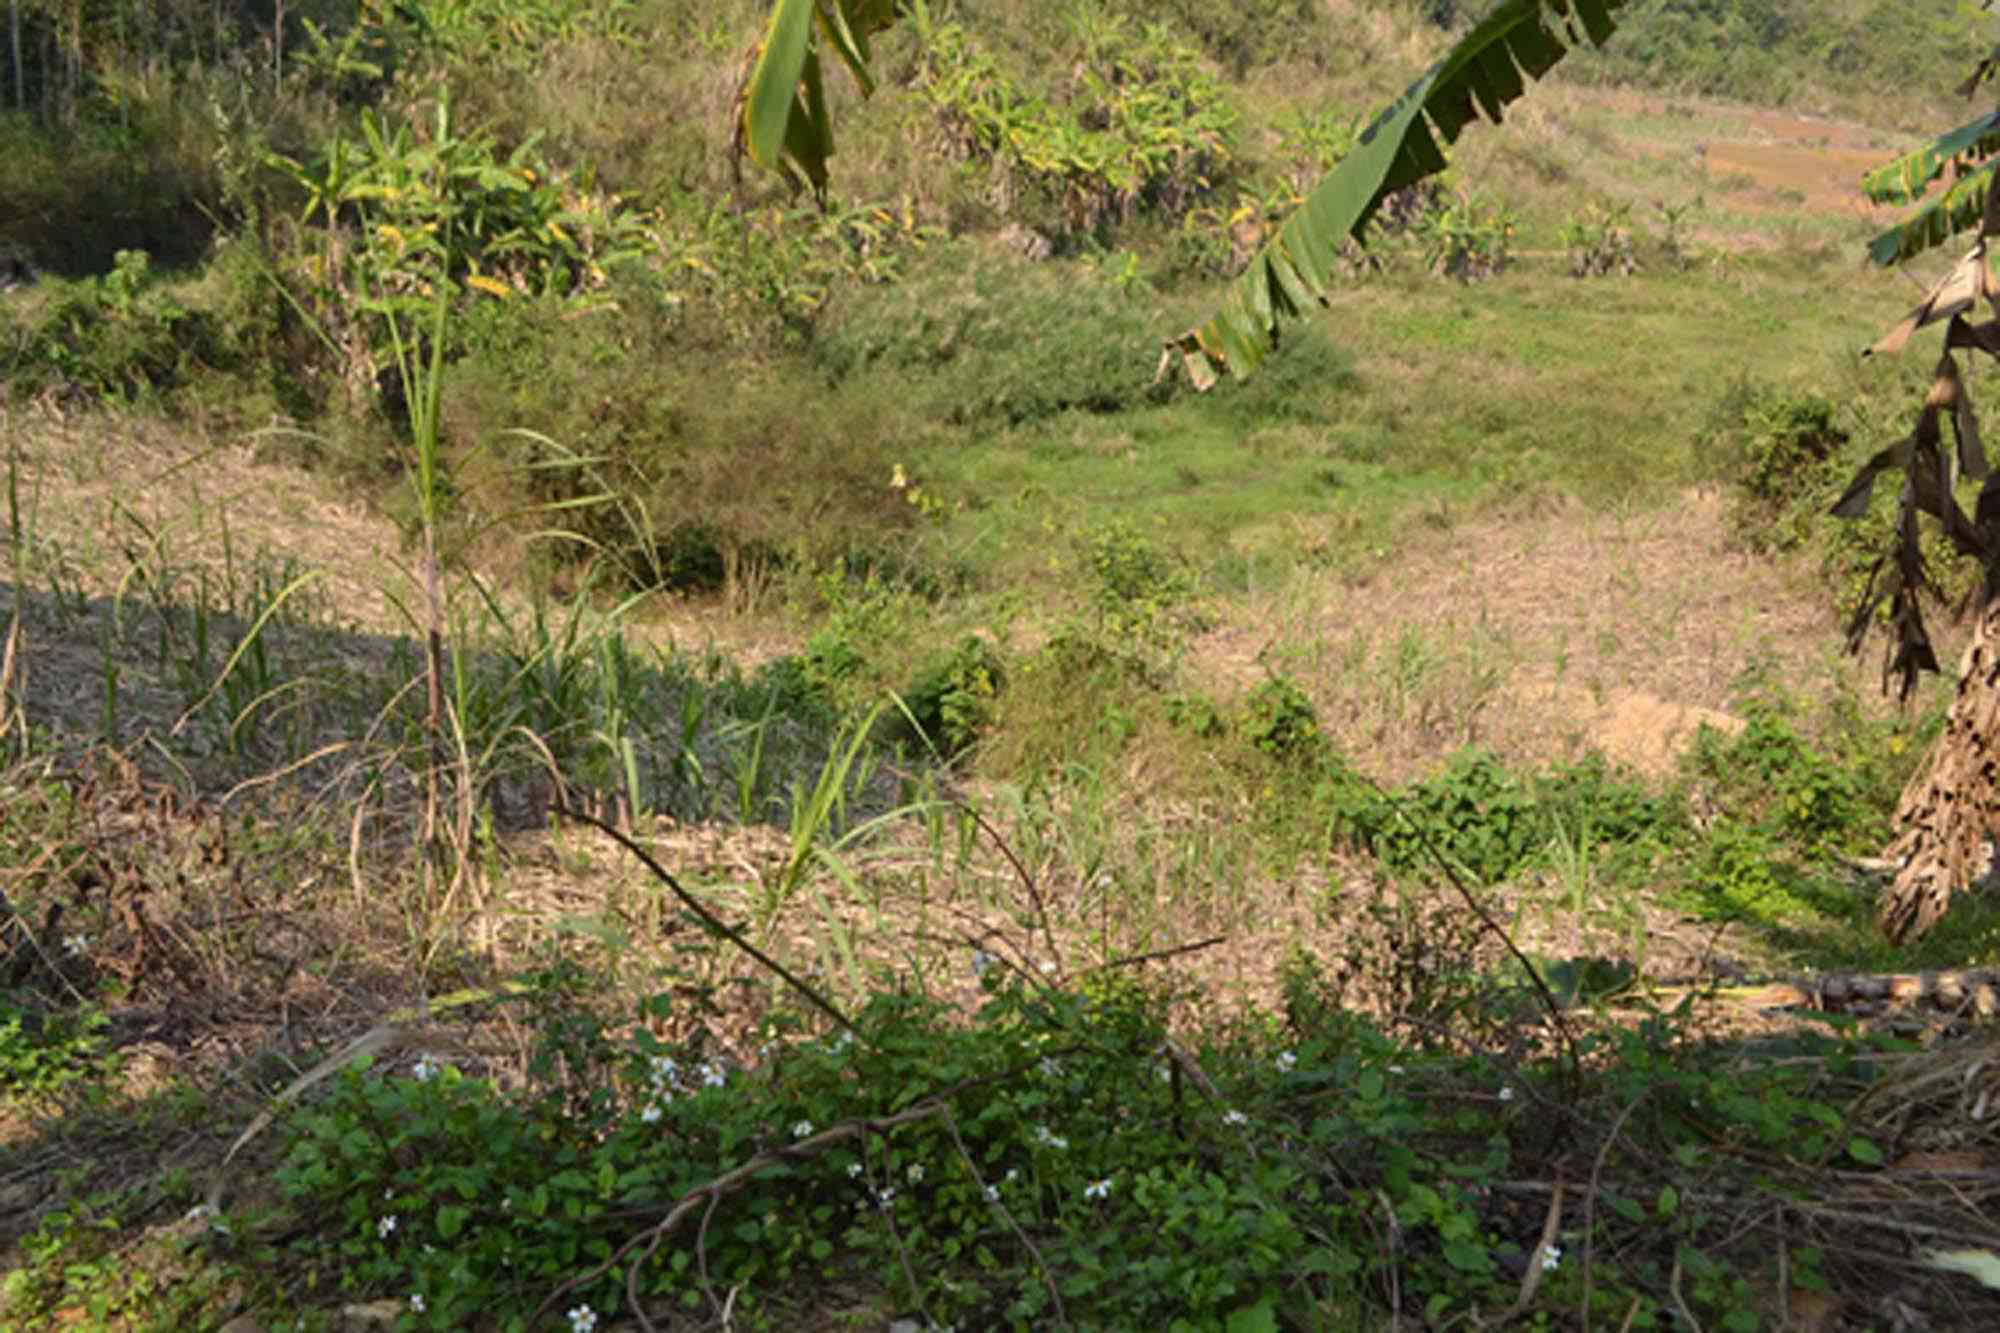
1541,636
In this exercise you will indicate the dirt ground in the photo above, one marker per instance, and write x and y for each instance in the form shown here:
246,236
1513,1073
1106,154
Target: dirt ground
1804,163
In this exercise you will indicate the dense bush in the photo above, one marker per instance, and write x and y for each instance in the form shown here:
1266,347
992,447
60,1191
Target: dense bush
1246,36
1489,823
979,338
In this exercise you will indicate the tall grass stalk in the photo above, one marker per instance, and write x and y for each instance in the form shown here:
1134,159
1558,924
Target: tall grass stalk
13,710
422,371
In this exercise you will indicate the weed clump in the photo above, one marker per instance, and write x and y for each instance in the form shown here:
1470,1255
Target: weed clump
1279,721
951,701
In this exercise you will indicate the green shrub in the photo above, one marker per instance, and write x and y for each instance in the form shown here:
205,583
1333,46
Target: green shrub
1490,823
1245,36
1770,777
710,475
951,700
1196,714
1280,721
1313,384
970,339
1771,52
1784,453
120,336
1599,241
1468,237
1788,454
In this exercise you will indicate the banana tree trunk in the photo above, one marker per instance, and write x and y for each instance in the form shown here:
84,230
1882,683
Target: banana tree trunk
1951,808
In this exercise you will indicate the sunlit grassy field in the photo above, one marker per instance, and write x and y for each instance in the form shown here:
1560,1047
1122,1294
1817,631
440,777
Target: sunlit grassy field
926,822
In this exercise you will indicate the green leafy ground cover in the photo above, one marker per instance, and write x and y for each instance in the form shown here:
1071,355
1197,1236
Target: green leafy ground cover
1186,933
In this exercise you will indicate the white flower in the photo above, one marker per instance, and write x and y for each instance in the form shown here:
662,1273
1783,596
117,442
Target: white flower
416,1302
981,961
853,1170
1506,1094
1042,1135
1013,1174
651,1114
1551,1256
1235,1118
1395,1069
802,1130
582,1319
425,1068
992,1194
1098,1189
1164,1073
74,945
1049,967
1287,1061
714,1075
886,1197
385,1226
916,1173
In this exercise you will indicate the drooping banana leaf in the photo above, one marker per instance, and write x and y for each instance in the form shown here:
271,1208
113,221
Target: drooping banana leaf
782,108
1952,296
1486,70
1904,180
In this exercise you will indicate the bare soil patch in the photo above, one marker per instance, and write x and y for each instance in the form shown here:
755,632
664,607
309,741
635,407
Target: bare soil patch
1540,637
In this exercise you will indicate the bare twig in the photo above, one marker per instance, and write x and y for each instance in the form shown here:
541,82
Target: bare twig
1160,955
1680,1301
1027,880
1547,996
1590,1199
1530,1280
992,1197
711,922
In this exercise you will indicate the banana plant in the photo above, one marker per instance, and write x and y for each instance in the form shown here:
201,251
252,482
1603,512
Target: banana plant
1951,808
784,119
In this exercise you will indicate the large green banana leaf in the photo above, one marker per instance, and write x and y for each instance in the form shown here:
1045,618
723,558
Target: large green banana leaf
1957,209
1483,72
1905,180
784,103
